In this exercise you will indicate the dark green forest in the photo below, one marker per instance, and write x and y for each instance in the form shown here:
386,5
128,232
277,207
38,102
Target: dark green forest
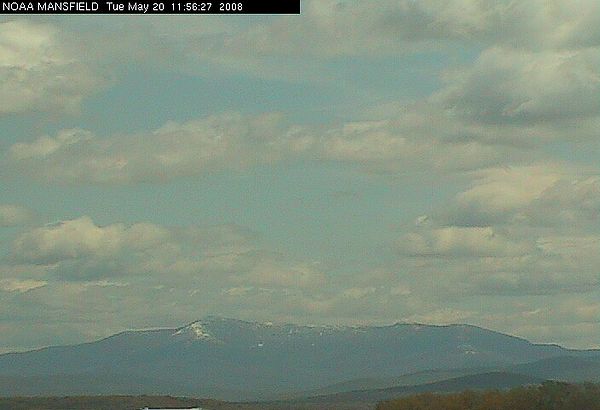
548,396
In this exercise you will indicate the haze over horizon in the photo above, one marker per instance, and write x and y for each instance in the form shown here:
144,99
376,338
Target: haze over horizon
365,162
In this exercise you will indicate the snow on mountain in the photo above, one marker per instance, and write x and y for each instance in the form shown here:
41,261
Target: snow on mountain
251,358
196,331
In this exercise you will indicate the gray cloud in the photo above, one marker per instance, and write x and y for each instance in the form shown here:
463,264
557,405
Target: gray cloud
515,231
520,87
336,28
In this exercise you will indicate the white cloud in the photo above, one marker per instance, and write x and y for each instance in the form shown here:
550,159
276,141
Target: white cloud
536,195
441,317
461,242
418,136
568,320
291,46
81,249
335,28
15,215
400,290
21,285
39,71
522,235
176,149
45,146
411,140
238,291
499,194
81,238
271,272
574,249
218,257
573,202
528,230
358,293
514,261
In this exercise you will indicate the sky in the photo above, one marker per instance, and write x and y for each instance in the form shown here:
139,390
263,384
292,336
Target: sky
365,162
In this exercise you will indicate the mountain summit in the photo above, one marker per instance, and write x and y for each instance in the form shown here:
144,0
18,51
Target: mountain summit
236,359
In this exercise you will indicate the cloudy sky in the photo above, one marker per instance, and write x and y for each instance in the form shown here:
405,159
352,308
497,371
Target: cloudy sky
370,161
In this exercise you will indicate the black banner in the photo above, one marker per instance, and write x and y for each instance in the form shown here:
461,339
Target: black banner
151,7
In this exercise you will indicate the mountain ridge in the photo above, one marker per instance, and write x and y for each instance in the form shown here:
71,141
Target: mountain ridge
233,359
212,318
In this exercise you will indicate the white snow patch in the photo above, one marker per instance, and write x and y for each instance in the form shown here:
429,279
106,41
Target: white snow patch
198,332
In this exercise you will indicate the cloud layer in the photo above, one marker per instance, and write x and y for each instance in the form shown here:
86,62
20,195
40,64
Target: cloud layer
509,235
233,141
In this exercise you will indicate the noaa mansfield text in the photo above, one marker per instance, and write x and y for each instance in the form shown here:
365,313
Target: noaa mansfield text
151,7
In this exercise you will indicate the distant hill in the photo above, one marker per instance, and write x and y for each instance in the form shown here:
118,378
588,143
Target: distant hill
411,379
237,360
563,368
483,381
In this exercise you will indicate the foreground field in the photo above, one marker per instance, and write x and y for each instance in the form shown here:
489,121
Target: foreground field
548,396
138,402
100,403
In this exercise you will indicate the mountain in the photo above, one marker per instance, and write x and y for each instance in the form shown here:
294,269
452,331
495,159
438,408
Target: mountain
411,379
237,360
562,368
